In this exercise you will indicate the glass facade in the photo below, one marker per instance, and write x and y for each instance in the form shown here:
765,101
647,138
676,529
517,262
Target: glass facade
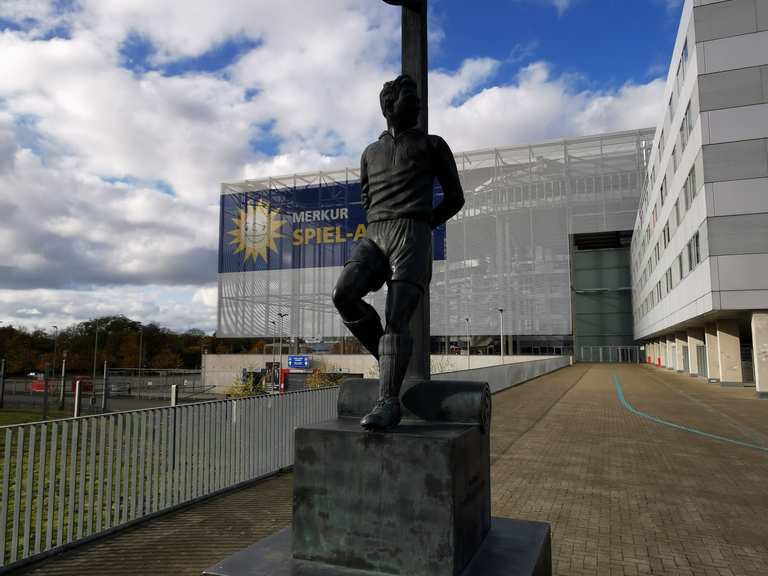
509,247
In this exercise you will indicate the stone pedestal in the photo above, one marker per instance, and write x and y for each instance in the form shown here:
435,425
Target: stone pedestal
414,501
512,548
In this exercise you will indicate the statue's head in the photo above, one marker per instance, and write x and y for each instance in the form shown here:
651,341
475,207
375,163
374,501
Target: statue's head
400,102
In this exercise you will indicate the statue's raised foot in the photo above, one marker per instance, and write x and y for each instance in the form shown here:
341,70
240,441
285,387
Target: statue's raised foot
386,414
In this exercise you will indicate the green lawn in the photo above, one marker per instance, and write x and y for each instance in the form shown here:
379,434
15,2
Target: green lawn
9,417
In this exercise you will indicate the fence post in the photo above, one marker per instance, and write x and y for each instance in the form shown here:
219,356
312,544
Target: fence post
174,394
77,398
105,391
2,382
63,389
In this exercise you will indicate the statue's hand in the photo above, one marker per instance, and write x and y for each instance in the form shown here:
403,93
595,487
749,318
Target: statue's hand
406,3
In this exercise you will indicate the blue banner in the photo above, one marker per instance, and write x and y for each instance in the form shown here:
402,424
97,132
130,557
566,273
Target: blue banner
303,227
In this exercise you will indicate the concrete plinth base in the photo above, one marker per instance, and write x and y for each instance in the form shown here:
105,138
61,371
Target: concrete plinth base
512,548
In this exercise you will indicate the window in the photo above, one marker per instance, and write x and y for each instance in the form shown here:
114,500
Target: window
685,128
671,108
663,191
689,188
658,291
657,252
677,211
666,237
654,215
685,52
661,144
669,279
693,252
680,265
674,158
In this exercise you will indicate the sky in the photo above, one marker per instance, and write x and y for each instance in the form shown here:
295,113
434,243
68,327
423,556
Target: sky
119,119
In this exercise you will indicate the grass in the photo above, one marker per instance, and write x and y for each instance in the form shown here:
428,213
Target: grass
10,417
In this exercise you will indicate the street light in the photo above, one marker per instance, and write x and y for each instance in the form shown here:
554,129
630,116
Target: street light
274,330
281,315
469,344
55,342
501,332
141,351
95,350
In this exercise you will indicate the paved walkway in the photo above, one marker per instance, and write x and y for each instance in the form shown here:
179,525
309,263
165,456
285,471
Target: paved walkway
682,490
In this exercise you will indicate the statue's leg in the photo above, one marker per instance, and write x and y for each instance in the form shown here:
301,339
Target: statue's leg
395,349
366,272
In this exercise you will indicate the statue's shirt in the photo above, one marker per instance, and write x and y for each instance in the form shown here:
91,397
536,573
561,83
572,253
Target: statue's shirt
397,178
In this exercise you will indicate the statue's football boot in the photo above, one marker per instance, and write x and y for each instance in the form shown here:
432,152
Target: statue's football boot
394,355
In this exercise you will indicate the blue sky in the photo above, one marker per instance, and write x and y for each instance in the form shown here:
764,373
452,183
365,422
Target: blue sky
607,42
120,119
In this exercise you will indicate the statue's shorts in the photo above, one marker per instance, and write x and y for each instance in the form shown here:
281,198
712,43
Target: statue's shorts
407,244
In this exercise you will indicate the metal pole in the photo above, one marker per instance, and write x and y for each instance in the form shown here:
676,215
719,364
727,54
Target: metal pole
469,345
105,391
174,394
95,351
281,315
55,348
45,395
141,343
274,329
501,332
63,387
2,383
77,398
414,64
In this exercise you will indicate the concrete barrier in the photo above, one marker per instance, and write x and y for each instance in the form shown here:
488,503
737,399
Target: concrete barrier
508,375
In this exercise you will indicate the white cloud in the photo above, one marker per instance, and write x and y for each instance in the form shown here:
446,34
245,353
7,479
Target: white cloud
89,150
538,106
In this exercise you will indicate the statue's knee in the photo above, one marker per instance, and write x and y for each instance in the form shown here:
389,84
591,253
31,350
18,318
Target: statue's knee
340,298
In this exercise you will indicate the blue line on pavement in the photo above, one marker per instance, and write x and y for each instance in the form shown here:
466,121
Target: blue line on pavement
628,406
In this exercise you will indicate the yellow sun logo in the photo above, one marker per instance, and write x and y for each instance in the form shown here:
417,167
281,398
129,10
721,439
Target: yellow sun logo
256,229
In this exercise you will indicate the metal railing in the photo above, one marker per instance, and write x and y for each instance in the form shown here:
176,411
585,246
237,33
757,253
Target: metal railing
67,481
621,354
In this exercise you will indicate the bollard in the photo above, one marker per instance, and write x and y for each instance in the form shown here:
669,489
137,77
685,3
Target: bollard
2,383
174,394
105,391
77,398
63,387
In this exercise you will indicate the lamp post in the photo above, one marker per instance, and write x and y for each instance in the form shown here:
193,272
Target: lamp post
469,344
95,351
141,350
274,330
55,343
501,333
281,315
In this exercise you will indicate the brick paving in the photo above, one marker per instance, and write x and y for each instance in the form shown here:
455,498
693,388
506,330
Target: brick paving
626,496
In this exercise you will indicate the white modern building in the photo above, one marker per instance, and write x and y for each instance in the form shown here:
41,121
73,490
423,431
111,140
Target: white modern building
700,243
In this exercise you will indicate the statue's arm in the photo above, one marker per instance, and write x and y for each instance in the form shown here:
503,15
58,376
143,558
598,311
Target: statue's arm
365,198
448,176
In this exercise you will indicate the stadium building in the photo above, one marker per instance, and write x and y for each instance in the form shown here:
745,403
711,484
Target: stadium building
544,236
650,244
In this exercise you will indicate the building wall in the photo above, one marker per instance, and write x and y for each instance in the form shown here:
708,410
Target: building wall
602,301
706,199
508,248
221,370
